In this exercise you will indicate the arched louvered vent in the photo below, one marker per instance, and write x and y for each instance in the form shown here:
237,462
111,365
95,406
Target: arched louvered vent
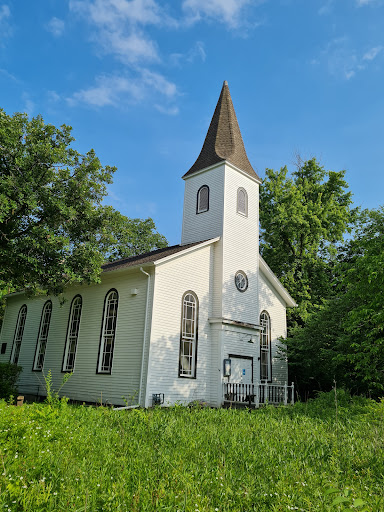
203,199
242,202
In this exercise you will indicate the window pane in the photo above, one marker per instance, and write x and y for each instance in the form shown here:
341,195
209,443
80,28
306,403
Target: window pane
19,334
188,336
108,336
73,333
43,335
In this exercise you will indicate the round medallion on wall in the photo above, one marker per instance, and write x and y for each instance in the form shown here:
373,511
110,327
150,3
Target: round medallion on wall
241,281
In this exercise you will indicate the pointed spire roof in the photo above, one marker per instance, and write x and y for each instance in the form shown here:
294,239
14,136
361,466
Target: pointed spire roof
223,140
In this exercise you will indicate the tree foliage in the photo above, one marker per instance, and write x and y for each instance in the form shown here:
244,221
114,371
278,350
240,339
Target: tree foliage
303,218
344,339
54,227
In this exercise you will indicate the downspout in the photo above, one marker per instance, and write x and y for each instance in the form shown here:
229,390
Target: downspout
145,333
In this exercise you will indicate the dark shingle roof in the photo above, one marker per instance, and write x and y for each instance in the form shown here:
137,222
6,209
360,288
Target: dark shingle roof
223,140
147,257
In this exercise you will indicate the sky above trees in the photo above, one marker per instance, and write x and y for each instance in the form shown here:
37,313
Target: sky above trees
139,80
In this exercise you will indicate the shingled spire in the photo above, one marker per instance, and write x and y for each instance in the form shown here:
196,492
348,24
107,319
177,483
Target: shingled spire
223,140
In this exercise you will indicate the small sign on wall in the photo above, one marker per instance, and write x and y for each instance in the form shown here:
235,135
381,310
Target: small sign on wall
243,371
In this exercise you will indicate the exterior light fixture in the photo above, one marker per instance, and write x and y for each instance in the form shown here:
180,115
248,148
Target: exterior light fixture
227,367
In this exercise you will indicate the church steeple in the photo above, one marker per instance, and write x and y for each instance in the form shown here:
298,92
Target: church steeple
223,141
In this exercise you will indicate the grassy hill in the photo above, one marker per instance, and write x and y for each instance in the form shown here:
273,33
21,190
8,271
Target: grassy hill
308,457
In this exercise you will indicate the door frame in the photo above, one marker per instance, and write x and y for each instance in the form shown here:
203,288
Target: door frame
243,357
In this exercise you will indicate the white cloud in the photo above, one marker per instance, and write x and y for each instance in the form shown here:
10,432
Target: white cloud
8,75
360,3
119,26
5,28
169,111
372,53
117,91
326,8
107,91
343,61
230,12
196,52
29,105
55,26
4,12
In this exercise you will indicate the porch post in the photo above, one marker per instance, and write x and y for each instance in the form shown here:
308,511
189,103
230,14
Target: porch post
293,394
257,394
285,393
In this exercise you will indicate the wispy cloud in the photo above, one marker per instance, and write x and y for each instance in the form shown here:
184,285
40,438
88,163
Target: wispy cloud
8,75
119,26
361,3
117,90
326,8
29,105
230,12
197,52
122,28
343,61
5,27
372,53
55,26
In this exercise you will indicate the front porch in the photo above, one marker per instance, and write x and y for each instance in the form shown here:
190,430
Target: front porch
256,394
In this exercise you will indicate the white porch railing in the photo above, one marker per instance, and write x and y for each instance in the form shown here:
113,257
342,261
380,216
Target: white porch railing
259,393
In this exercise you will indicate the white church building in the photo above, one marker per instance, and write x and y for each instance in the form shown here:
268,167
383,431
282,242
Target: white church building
196,321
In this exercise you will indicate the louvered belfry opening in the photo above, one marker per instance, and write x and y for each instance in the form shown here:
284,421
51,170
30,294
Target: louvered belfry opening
203,199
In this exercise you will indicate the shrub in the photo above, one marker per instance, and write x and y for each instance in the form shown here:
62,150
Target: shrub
9,373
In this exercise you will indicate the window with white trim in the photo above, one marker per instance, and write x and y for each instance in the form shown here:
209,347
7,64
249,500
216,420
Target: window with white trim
242,201
18,338
188,338
108,331
265,347
202,199
42,338
72,334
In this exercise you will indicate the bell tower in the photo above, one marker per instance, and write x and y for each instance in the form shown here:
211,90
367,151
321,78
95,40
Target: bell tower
222,200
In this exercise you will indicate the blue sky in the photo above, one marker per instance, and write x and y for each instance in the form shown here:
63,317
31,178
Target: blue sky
139,80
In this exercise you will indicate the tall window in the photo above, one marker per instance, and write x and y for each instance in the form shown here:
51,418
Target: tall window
18,334
242,202
265,347
188,338
72,334
108,331
43,336
202,199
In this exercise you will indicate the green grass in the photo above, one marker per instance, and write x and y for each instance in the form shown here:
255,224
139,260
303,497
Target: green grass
288,458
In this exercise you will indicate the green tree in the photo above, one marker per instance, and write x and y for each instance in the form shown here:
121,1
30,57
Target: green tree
344,339
54,228
303,218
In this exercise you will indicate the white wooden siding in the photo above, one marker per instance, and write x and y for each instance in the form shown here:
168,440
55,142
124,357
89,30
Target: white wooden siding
203,226
189,272
240,248
271,302
85,384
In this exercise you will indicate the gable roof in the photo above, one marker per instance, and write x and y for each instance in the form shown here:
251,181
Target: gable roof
223,140
148,257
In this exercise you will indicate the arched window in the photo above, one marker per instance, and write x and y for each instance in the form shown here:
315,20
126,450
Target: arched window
202,199
18,338
265,347
242,202
43,336
188,338
72,334
108,331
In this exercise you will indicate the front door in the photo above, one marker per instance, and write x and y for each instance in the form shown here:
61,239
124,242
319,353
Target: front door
241,370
